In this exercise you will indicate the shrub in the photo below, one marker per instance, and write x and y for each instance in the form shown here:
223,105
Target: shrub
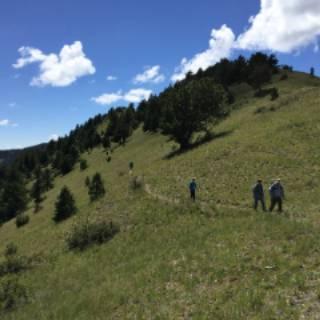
274,94
96,187
108,159
85,234
284,77
22,219
13,263
65,205
83,164
12,294
87,182
137,183
11,249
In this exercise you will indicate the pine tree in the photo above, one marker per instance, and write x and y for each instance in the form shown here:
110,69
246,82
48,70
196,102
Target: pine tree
65,205
14,196
47,180
96,188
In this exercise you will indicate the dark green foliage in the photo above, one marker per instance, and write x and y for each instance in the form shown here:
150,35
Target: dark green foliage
12,294
11,249
109,159
22,219
260,75
37,190
106,142
287,68
85,234
83,164
13,198
65,205
189,108
87,182
274,94
284,76
96,187
13,262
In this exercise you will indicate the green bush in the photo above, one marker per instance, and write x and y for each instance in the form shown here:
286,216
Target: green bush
22,219
96,187
13,263
83,235
137,183
274,94
65,205
12,294
83,164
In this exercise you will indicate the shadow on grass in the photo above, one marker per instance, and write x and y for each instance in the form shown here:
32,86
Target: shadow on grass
203,140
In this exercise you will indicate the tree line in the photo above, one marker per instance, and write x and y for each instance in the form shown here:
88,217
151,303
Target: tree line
181,110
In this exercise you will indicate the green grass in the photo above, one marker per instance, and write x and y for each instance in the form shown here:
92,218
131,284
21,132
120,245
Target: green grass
185,261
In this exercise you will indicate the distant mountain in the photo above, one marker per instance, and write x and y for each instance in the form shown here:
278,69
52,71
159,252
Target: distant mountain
7,156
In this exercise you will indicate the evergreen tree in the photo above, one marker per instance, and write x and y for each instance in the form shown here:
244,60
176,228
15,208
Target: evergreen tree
47,180
37,190
190,107
14,196
83,164
96,187
65,205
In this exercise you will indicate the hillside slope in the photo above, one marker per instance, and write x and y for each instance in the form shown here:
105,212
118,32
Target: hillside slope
216,259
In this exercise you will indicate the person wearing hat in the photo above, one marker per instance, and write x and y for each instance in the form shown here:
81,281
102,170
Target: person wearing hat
193,188
258,195
276,194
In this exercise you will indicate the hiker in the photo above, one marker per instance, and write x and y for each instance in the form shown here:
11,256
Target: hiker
277,195
193,188
258,195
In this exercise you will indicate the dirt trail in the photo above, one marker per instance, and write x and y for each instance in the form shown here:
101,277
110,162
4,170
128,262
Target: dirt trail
204,206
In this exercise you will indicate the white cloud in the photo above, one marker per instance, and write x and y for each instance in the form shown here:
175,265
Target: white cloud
111,78
54,137
220,46
108,98
151,75
4,122
57,70
132,96
7,123
283,25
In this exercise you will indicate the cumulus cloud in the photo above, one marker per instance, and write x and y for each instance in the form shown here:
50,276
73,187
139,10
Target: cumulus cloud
111,78
54,137
4,122
7,123
57,70
150,75
220,46
282,25
132,96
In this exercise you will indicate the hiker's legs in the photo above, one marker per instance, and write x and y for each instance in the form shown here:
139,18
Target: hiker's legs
255,204
263,205
193,195
279,205
273,203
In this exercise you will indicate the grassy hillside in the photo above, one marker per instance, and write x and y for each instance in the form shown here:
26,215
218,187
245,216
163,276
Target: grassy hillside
216,259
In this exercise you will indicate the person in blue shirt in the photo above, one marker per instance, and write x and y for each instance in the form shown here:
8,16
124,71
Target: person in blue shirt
193,188
258,195
277,195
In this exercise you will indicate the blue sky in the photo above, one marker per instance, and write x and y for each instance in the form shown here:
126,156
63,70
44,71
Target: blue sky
140,44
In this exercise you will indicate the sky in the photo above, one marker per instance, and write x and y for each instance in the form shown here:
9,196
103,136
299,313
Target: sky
62,62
